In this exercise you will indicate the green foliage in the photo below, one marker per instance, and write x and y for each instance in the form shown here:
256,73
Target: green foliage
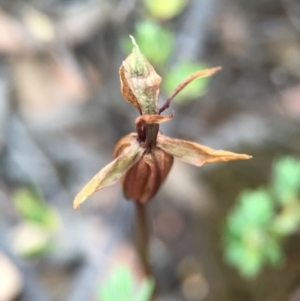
165,9
33,208
262,218
286,177
120,286
33,235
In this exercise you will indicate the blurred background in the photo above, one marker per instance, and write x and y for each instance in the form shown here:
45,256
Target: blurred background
225,232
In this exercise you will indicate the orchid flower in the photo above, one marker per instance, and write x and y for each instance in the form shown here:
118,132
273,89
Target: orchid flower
142,160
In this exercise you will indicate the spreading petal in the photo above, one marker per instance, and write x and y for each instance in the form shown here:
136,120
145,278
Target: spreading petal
112,172
195,153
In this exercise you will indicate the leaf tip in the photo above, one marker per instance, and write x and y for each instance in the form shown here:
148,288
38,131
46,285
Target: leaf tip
77,202
133,41
213,70
245,157
218,68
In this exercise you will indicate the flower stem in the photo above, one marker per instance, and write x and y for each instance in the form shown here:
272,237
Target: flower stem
142,236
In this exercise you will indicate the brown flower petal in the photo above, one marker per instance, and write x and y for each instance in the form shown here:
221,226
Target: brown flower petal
123,143
126,90
195,153
112,172
152,119
143,180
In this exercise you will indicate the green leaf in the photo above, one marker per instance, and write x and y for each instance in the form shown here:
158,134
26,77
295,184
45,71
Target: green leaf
254,238
288,220
29,239
120,286
113,289
236,224
273,252
248,232
126,283
33,208
165,9
257,225
156,42
256,207
286,179
146,290
234,252
182,70
251,263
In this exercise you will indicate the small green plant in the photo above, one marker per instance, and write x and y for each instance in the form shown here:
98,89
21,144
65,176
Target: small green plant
121,286
262,218
33,235
33,208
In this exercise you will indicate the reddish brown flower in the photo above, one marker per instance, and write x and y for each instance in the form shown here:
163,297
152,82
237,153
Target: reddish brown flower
144,159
